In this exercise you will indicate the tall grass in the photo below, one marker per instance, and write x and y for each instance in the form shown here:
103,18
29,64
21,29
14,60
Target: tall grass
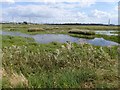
58,65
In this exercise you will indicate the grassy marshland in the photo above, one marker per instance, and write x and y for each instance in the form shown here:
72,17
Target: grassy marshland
62,29
28,64
53,28
55,65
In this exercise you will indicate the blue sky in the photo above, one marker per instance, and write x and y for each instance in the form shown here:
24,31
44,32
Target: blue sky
60,12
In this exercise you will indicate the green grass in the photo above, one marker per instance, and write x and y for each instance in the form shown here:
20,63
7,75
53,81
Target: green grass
99,27
111,38
11,40
53,28
57,65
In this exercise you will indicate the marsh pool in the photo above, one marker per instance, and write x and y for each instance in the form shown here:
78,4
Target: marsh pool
62,38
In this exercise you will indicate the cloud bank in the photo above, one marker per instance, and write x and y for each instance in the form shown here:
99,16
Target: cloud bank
59,12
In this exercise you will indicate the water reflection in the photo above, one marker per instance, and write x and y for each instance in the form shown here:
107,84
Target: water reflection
47,38
110,32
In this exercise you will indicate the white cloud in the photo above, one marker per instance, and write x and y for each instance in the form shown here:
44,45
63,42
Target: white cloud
8,1
86,3
103,16
82,3
62,0
100,14
116,8
44,12
41,11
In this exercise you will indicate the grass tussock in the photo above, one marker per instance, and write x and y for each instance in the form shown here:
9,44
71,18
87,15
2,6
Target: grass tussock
83,32
35,29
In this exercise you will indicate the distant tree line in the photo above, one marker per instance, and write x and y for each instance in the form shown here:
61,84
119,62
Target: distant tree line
24,22
84,24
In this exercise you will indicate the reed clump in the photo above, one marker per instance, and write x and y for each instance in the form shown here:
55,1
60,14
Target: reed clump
35,29
83,32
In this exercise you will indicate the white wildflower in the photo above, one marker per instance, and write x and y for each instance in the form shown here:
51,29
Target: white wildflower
57,51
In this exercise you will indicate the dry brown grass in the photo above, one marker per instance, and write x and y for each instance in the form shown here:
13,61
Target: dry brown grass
1,74
16,80
88,85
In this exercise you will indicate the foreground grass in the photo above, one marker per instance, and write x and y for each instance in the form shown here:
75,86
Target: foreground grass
55,65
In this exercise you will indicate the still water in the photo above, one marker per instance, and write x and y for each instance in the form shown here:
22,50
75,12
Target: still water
105,32
62,38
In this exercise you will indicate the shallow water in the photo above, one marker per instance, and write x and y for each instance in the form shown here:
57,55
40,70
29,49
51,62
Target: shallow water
101,42
105,32
47,38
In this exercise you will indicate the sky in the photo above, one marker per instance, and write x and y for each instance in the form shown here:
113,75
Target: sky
60,11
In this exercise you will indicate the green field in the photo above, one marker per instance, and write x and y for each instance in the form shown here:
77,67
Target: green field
26,63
